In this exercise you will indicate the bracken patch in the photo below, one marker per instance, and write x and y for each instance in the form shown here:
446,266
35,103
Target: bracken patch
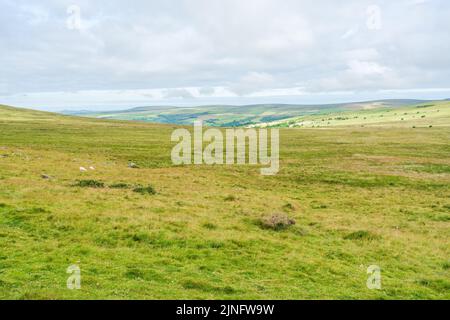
89,184
149,190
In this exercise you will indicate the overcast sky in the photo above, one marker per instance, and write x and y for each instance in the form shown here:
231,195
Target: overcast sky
95,54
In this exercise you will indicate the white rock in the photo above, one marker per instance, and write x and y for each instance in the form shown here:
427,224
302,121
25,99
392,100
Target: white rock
92,168
82,169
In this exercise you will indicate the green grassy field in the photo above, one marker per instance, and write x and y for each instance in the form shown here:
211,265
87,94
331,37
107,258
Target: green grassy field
360,196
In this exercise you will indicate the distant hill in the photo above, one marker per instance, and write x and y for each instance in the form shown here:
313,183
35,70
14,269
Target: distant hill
246,115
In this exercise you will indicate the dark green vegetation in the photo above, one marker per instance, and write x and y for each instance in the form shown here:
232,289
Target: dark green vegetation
89,184
145,190
359,196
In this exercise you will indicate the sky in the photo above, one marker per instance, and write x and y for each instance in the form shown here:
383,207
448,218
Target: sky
113,54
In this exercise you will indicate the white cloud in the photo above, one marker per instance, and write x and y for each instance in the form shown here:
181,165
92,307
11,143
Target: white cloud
253,81
178,93
180,49
349,33
366,68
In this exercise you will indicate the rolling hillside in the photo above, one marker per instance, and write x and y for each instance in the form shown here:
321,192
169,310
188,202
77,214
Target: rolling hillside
232,116
359,196
435,113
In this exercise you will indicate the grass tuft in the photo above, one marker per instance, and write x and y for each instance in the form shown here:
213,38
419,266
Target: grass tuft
209,226
289,207
230,198
134,273
206,287
361,235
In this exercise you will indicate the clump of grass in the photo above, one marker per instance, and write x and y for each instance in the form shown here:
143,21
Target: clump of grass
437,284
89,184
289,207
277,222
206,287
361,235
134,273
209,226
318,206
216,244
37,210
120,186
230,198
196,285
443,218
149,190
434,168
140,237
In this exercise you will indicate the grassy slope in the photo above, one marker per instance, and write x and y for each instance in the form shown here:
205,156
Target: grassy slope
193,241
435,113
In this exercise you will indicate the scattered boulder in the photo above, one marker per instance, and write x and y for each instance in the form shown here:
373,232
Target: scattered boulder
45,176
83,169
277,222
133,165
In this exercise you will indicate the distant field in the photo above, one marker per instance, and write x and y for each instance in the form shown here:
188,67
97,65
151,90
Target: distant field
435,113
234,116
362,192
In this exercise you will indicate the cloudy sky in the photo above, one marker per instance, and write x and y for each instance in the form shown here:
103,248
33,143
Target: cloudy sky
111,54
